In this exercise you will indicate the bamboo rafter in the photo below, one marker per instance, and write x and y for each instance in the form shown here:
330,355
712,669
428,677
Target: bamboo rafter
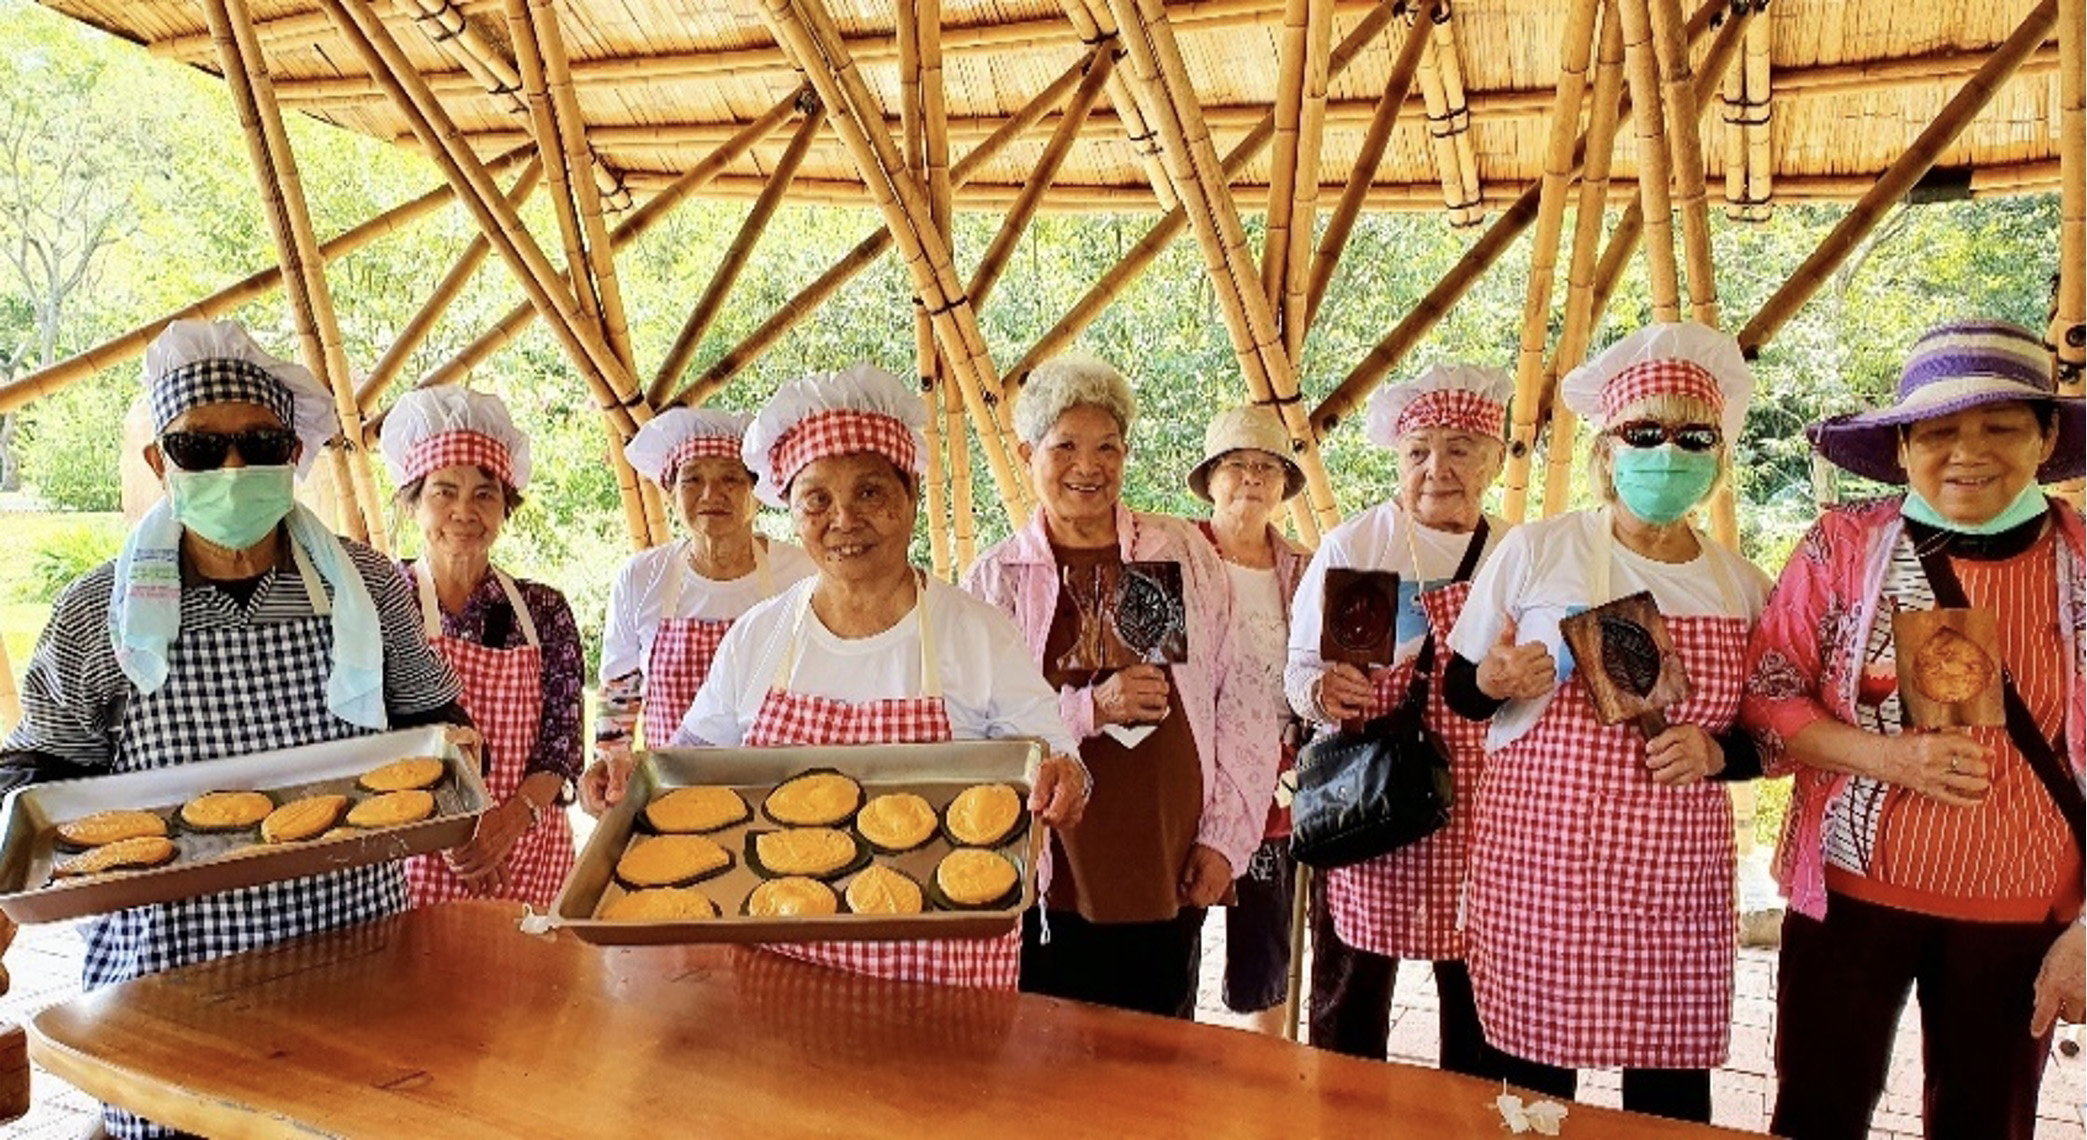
1641,69
1458,123
1678,100
550,150
1293,313
1100,65
1760,159
1096,25
1289,116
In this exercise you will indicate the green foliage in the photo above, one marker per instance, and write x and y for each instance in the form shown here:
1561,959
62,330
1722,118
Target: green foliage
63,556
70,445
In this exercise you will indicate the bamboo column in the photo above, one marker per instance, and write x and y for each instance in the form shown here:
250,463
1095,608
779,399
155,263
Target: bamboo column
1375,139
304,270
1677,85
1282,166
550,150
2068,333
1899,178
393,363
712,302
1576,50
934,129
1098,27
1459,105
1760,159
1641,68
1732,95
1293,311
914,146
630,490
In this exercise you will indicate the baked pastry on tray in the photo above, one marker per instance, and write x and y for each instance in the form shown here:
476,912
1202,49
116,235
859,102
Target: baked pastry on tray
299,820
226,811
670,861
133,854
405,775
660,904
696,810
974,877
105,827
881,890
984,815
900,821
813,851
793,897
393,809
821,798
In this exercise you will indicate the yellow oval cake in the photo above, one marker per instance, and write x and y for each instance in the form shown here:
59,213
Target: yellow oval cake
105,827
983,815
971,876
131,854
811,851
226,811
405,775
689,811
393,809
814,799
660,904
900,821
670,860
794,897
299,820
881,890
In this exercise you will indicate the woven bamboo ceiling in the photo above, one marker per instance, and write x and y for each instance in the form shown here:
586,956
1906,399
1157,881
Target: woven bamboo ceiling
1835,89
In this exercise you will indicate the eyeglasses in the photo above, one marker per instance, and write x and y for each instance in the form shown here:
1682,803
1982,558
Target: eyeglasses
1258,468
206,450
1651,433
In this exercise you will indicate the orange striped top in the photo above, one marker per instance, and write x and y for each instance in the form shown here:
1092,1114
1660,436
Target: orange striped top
2010,859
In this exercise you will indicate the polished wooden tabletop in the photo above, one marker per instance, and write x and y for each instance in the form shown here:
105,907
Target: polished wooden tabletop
449,1022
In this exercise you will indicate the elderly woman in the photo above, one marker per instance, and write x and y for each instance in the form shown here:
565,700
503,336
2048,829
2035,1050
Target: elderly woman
232,622
1932,858
1601,919
1181,754
871,650
1246,473
460,466
671,605
1444,427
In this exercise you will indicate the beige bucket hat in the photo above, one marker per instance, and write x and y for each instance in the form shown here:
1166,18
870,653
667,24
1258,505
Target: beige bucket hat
1249,428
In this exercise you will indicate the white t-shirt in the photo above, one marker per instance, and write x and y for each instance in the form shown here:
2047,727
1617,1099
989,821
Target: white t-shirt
1547,571
640,591
991,687
1262,630
1376,539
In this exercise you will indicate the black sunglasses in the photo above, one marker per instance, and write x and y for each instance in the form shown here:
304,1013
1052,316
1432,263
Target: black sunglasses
1652,433
206,450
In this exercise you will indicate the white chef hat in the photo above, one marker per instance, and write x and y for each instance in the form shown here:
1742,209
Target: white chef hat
1463,397
449,425
678,435
1682,358
860,408
194,363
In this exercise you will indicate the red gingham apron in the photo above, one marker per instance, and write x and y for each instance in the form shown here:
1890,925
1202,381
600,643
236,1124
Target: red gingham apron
1406,904
682,650
504,696
787,718
1602,916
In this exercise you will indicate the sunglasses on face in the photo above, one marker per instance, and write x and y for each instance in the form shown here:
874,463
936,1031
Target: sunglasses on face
1652,433
206,450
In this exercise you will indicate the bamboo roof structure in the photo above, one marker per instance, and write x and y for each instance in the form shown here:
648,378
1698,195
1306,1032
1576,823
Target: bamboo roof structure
1501,115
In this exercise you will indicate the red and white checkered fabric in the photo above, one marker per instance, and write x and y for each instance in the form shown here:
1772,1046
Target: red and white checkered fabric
1406,904
682,650
1659,378
460,449
1602,923
1453,408
840,432
788,718
700,446
504,697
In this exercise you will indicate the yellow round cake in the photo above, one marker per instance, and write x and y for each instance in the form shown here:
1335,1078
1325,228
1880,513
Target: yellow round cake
794,897
971,876
814,851
881,890
104,827
982,816
814,799
135,853
660,904
405,775
900,821
670,861
393,809
299,820
226,811
691,811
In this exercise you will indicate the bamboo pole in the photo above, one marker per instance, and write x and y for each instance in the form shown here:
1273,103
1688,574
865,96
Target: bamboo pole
630,229
1294,314
1732,96
1098,26
1459,123
913,141
1375,140
392,364
439,136
1282,176
1760,94
934,126
1678,94
1899,178
304,273
2068,332
629,489
808,299
1101,64
1576,50
712,302
1641,68
1389,351
1442,145
129,345
550,148
1615,258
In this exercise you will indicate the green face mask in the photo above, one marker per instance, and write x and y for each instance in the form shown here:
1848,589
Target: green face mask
2027,505
1660,484
232,507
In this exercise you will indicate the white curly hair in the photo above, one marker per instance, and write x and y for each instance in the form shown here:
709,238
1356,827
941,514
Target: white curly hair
1065,382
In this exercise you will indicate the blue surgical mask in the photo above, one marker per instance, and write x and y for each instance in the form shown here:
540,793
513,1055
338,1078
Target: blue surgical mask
231,507
1660,484
2027,505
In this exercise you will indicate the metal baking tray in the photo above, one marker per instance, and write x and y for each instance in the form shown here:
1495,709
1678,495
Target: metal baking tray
937,772
207,863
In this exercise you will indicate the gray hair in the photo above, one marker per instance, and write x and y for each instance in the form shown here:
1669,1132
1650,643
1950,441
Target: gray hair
1062,383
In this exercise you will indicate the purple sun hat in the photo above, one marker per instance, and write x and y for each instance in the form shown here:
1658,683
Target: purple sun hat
1955,366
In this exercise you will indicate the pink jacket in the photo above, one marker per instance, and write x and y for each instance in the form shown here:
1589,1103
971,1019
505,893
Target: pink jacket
1805,662
1021,577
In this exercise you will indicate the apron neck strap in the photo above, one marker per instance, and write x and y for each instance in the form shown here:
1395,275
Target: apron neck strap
930,670
1605,560
431,605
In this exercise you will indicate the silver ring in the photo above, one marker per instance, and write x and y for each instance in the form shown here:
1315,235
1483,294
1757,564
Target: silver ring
1953,770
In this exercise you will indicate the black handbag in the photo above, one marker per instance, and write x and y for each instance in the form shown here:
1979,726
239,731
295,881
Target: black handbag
1368,793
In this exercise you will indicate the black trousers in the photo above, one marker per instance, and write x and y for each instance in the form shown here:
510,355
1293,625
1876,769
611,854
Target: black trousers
1149,967
1351,999
1841,988
1677,1094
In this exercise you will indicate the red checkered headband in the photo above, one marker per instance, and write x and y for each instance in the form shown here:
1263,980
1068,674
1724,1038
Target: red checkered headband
1679,358
1452,408
1447,394
459,449
861,408
825,434
1649,378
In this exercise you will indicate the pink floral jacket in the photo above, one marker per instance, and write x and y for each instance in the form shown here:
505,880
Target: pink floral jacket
1805,664
1232,736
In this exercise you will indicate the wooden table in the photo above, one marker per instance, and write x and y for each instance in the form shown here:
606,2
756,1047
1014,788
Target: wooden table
448,1022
